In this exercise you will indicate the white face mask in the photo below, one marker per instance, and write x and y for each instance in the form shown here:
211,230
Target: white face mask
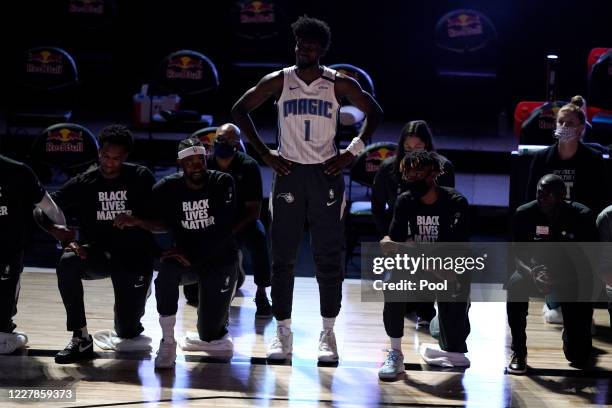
567,133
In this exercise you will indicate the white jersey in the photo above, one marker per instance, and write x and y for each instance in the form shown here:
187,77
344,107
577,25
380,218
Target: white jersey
307,118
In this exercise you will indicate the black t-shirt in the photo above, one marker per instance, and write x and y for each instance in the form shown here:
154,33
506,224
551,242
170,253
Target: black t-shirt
574,223
584,175
200,220
387,187
20,190
247,178
446,220
95,202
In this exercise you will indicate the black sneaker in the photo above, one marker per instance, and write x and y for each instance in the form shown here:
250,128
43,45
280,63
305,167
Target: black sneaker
518,365
78,349
264,310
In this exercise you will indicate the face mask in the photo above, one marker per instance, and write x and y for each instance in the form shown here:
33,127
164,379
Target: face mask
567,133
224,151
418,188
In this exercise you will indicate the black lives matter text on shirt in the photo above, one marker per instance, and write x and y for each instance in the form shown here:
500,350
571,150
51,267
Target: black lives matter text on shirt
20,190
94,201
443,221
201,220
247,179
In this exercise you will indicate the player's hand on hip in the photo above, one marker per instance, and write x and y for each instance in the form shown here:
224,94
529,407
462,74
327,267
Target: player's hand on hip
336,164
177,255
277,163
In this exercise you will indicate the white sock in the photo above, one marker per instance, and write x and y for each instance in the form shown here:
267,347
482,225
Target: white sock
328,323
167,326
284,326
396,343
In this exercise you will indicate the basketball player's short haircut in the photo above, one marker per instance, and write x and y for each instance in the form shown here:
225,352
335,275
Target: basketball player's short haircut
189,142
554,183
422,159
117,135
312,29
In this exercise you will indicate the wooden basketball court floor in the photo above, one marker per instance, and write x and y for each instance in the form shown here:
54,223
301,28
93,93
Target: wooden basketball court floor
115,379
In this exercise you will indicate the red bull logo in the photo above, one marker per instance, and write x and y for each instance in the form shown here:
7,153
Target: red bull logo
184,67
464,25
86,6
45,62
376,157
208,139
64,140
257,12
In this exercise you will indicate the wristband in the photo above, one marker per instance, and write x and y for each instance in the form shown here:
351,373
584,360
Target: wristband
356,146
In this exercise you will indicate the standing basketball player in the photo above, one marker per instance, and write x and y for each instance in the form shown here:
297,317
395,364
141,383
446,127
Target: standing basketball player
308,184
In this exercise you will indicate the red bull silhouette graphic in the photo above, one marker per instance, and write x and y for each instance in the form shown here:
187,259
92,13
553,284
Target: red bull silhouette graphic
86,6
464,25
184,67
256,12
376,157
208,140
64,140
45,62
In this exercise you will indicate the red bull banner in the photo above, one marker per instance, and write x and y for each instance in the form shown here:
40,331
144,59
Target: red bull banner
256,12
376,157
86,6
44,61
184,67
464,30
64,140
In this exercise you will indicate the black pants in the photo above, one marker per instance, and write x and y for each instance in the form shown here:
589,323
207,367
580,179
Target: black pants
216,285
453,318
307,194
10,278
253,240
577,318
131,278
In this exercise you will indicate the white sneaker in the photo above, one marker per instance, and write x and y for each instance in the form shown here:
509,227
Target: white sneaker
10,342
192,342
392,366
281,345
108,340
166,354
433,355
552,316
328,350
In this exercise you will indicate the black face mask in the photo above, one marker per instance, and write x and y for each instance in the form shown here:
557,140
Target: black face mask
417,188
224,151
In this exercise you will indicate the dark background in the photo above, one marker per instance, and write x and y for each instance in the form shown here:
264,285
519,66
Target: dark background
392,40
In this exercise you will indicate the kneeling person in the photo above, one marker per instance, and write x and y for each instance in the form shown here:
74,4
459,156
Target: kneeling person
19,191
104,249
426,200
197,207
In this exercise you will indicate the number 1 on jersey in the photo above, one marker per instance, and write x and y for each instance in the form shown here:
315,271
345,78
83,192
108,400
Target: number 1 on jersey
307,130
